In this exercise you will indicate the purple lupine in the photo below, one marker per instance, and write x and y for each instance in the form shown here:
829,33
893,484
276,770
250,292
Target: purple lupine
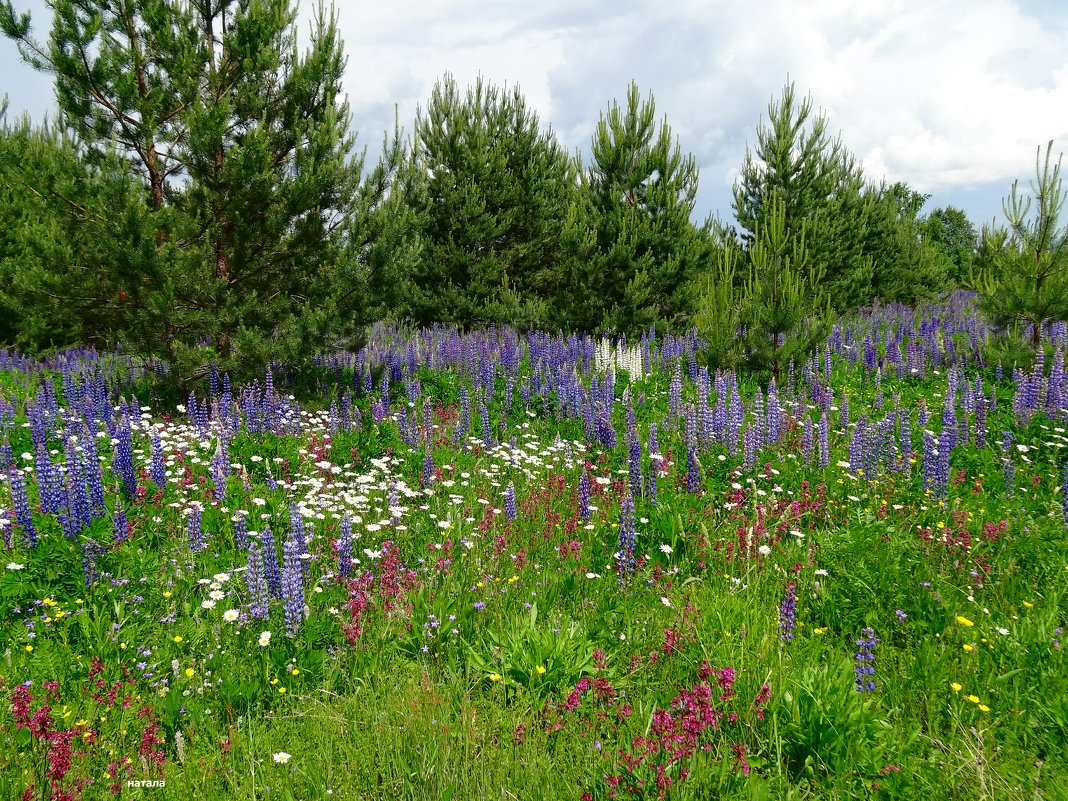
788,612
980,414
584,495
735,416
122,457
220,470
120,527
634,464
91,552
196,534
823,437
70,519
5,529
428,469
49,482
675,392
256,584
693,471
904,419
749,447
21,499
292,584
628,537
241,540
270,562
808,442
94,477
864,669
509,501
344,548
7,458
774,416
1064,494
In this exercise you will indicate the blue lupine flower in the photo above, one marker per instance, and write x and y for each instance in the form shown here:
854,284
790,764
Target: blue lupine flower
292,584
256,583
270,562
864,669
509,501
788,612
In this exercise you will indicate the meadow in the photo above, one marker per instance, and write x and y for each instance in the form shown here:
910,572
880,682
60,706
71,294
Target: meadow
502,565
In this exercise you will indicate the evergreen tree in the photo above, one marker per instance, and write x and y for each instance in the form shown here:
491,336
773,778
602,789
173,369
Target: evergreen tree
784,310
66,230
635,253
904,267
240,143
820,186
949,230
776,314
1022,271
488,191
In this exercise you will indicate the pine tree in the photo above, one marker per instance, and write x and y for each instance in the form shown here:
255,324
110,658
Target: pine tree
241,146
783,311
489,193
905,267
949,230
636,253
66,230
820,187
1022,271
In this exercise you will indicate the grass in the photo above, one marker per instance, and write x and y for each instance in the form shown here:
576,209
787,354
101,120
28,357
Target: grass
464,654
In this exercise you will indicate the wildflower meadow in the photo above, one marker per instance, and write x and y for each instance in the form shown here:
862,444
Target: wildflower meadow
498,565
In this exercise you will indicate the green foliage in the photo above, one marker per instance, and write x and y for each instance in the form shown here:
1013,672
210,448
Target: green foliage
69,238
819,185
865,240
950,231
487,192
779,306
905,268
634,251
240,143
1022,271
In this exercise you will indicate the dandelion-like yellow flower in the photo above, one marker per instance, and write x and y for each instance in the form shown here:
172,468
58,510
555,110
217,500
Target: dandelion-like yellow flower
494,676
540,669
295,671
984,708
281,690
189,672
177,638
1028,605
968,648
29,649
973,698
956,687
964,621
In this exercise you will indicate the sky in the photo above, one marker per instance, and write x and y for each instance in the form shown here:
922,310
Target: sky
951,96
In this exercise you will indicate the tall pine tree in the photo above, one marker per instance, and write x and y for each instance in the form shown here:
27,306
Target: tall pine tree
635,254
819,185
1022,272
489,193
241,145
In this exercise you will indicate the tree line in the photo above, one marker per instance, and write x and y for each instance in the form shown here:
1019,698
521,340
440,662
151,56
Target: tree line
200,198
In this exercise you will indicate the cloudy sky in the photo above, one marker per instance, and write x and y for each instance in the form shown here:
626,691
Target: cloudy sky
952,96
